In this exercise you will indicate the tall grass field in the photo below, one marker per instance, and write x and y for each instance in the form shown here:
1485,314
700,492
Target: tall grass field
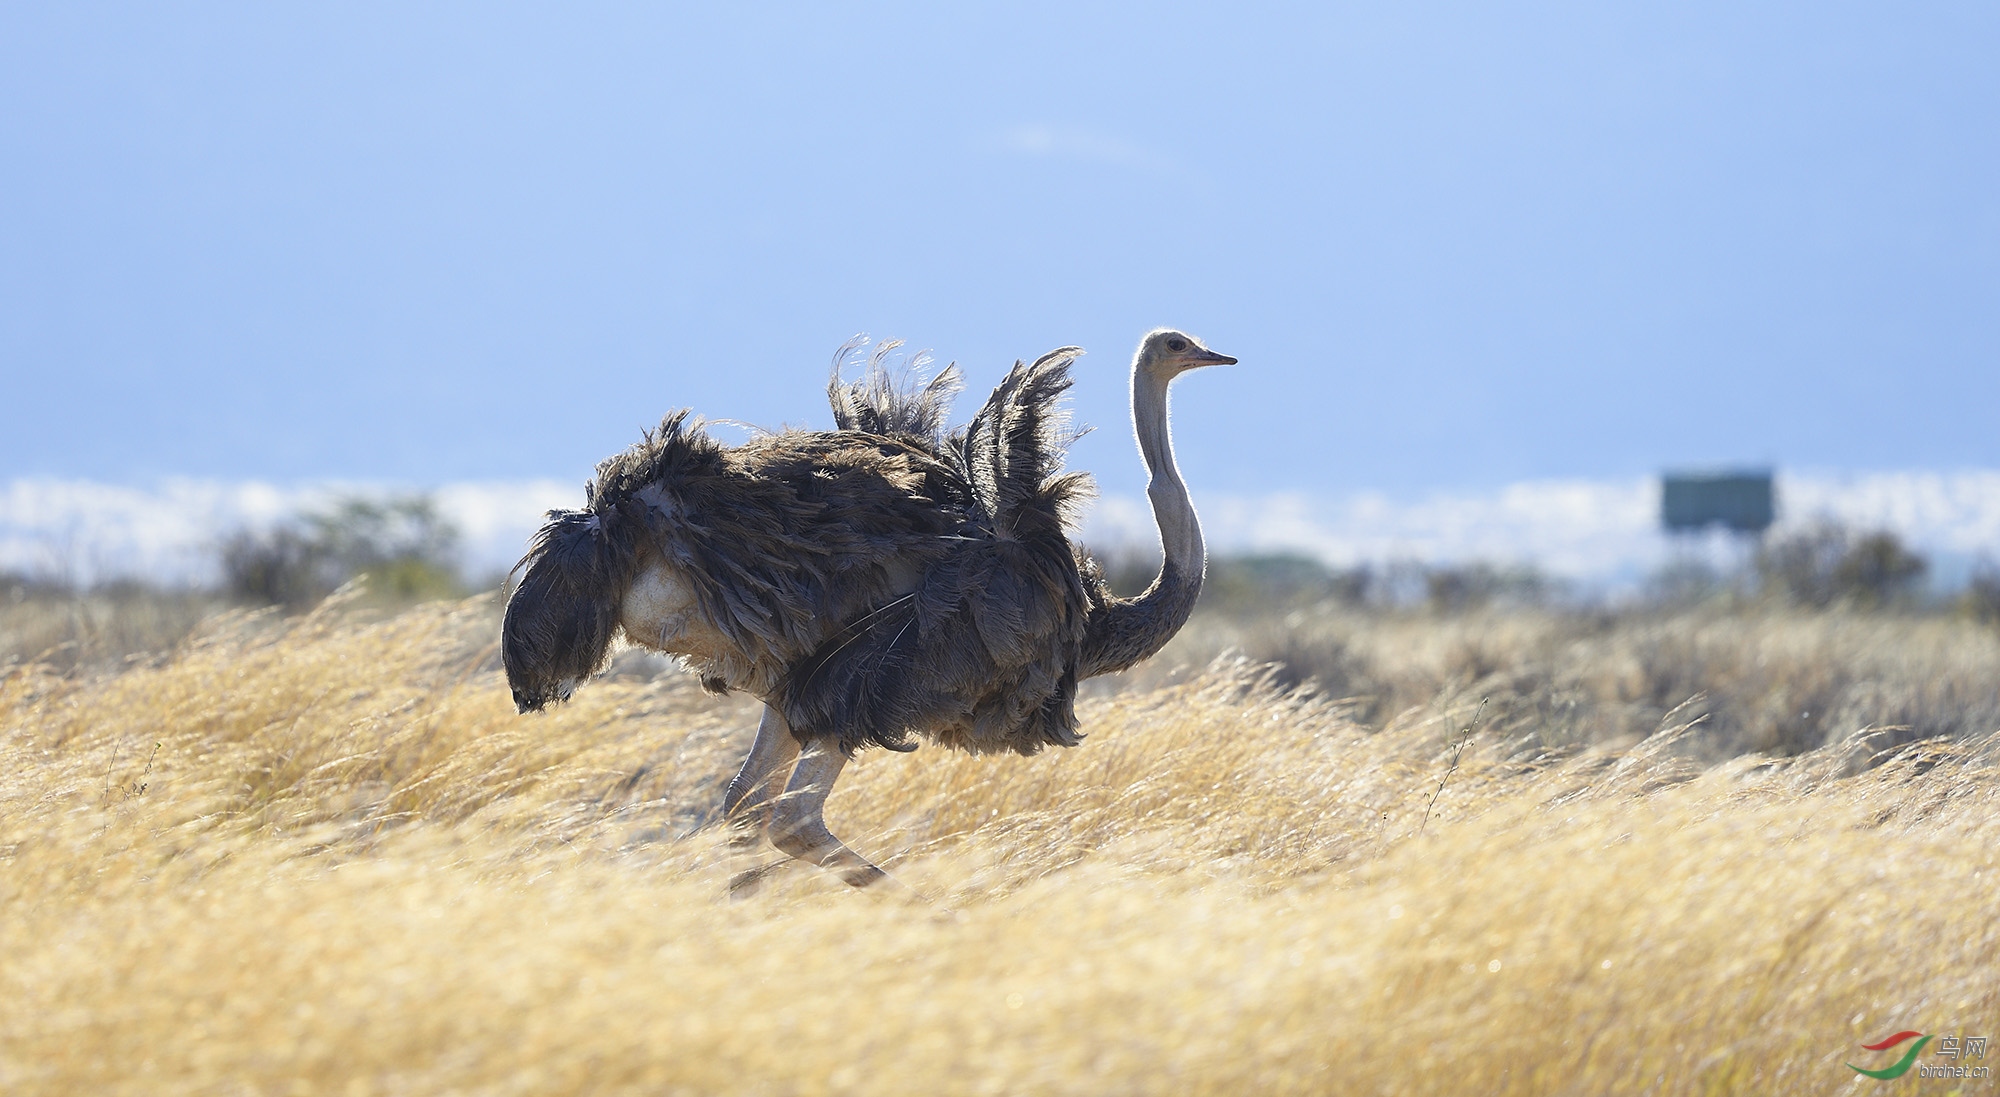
1519,852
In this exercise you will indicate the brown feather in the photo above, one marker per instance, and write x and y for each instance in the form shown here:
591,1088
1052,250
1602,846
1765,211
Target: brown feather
873,584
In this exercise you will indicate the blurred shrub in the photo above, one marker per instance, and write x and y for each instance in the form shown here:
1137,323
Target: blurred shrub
16,587
1461,587
1268,582
402,545
283,567
1281,582
1826,563
1685,581
1981,598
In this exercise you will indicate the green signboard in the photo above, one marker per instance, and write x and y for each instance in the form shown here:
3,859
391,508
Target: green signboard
1741,501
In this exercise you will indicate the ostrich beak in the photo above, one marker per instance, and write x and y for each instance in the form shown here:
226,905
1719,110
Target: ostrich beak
1209,358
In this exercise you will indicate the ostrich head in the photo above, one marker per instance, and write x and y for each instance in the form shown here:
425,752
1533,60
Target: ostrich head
561,619
1167,354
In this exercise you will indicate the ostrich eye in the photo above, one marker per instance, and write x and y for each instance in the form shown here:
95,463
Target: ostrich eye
1177,344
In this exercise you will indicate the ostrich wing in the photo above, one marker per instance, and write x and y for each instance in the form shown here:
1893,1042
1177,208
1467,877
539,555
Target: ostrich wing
981,654
878,404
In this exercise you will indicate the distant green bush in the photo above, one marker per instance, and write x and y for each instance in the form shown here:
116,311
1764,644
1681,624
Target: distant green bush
1475,586
1981,598
1260,583
401,544
1276,581
1827,564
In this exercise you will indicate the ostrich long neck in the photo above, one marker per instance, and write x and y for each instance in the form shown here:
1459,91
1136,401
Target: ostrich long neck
1122,633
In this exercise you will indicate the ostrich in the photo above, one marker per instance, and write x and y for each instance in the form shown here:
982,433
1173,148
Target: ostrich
875,582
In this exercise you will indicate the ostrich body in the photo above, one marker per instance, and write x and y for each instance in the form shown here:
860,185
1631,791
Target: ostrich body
872,583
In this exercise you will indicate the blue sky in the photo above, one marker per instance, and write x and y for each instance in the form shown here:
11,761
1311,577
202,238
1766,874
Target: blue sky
1455,246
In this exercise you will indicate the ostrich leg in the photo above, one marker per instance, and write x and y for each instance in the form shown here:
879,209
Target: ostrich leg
747,804
798,827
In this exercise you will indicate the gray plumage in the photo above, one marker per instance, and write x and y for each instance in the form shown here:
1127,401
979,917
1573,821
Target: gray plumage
875,583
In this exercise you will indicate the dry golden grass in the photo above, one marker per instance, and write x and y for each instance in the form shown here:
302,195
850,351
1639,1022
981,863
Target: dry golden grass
104,627
348,867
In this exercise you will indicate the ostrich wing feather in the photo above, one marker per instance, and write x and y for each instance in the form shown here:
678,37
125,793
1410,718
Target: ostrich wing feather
878,404
981,654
